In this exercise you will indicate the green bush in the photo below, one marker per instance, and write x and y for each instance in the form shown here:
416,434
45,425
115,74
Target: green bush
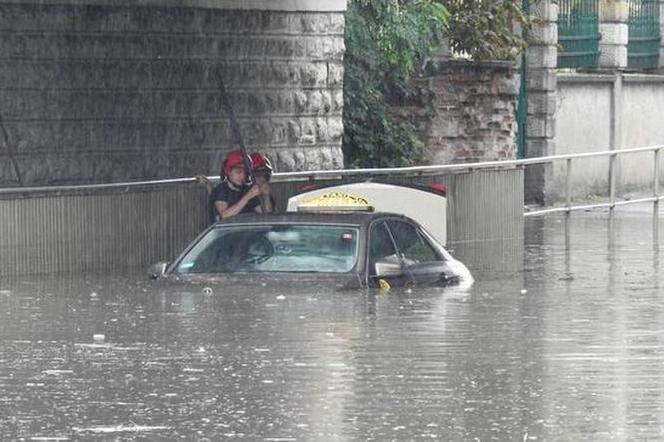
485,29
387,42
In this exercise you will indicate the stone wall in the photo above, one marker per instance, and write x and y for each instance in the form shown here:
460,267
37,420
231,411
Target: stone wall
97,93
474,112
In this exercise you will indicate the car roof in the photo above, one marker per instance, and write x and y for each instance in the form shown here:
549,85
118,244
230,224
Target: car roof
356,218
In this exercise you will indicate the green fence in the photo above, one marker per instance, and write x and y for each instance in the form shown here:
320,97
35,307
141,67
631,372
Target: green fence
644,35
578,33
522,104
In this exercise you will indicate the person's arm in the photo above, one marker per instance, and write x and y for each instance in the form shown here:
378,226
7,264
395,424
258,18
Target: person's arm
225,211
266,195
203,181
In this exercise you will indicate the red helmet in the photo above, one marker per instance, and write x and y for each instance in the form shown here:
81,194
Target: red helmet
233,159
260,162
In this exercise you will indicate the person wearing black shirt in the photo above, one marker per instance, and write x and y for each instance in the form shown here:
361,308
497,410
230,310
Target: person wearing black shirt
233,195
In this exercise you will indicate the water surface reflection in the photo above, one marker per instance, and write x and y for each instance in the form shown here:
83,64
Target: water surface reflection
568,348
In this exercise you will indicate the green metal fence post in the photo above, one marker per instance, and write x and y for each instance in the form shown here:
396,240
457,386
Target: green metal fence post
522,104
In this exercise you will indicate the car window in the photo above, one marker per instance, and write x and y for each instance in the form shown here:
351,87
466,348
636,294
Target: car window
381,246
412,245
274,248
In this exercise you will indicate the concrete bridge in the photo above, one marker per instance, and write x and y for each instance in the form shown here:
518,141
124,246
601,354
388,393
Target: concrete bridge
110,90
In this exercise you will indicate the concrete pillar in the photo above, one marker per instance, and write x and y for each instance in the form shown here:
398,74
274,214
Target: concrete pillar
103,91
661,33
541,60
613,27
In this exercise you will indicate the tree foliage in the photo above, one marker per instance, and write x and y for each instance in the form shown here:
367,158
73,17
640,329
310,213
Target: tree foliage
485,29
385,42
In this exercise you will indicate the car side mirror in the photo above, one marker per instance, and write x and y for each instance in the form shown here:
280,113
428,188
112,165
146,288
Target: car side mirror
157,270
387,267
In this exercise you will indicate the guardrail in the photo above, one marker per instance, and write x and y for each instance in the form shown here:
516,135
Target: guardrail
111,226
612,154
419,171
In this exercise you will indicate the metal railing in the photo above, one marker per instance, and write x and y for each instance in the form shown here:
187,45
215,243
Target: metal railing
613,155
304,176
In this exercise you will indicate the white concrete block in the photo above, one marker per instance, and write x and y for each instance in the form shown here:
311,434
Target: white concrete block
542,56
614,11
542,103
612,56
542,80
545,10
540,147
544,33
614,33
541,127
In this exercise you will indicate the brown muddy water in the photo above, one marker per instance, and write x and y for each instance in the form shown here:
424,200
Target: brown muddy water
569,347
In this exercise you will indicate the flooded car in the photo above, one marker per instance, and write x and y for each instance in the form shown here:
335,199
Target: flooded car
351,250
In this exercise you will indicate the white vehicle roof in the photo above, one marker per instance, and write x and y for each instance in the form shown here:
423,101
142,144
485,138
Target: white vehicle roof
428,208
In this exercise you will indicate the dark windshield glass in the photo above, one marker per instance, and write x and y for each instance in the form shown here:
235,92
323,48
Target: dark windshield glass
274,248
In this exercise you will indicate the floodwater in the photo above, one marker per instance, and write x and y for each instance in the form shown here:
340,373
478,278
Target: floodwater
569,347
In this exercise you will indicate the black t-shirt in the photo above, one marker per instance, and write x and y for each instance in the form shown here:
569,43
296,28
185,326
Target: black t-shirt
231,195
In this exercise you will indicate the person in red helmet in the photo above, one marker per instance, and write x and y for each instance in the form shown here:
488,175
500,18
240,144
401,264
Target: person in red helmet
233,195
263,172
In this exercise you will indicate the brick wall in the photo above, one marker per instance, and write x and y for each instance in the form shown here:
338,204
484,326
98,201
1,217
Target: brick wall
107,93
474,112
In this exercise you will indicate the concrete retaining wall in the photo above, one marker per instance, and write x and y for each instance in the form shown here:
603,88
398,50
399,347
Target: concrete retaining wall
101,91
603,112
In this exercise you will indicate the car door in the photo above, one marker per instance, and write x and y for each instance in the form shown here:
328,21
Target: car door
421,260
383,252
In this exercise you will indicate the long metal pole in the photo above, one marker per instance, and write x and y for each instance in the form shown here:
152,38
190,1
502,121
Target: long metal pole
237,134
655,184
612,180
568,185
615,135
339,173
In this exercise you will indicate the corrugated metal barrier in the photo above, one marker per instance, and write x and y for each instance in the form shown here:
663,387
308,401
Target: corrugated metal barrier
98,230
113,227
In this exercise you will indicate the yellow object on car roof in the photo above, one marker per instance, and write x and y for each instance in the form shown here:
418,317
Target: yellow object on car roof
336,202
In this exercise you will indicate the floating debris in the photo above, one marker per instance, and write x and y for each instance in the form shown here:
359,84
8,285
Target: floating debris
208,290
49,438
93,345
119,429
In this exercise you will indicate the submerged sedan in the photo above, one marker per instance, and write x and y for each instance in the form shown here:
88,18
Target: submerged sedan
353,249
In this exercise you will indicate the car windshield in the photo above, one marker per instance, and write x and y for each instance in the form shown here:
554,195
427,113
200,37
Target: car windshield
273,248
